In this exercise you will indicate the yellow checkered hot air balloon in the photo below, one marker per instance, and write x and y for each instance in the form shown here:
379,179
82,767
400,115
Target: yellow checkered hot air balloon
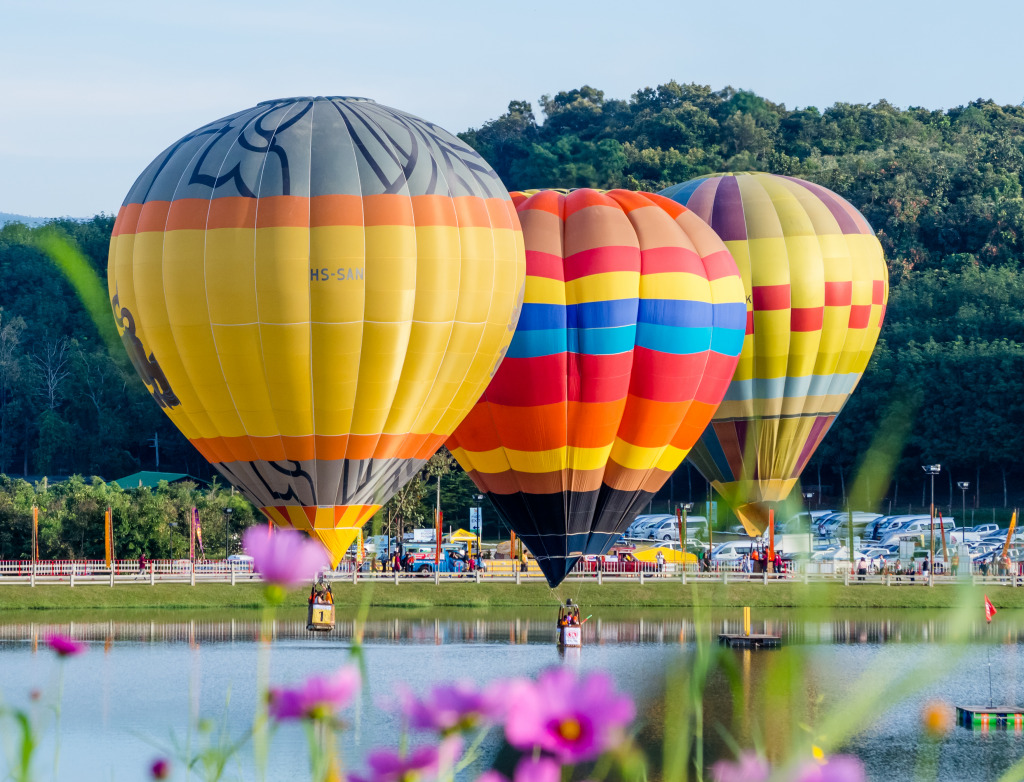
817,286
316,291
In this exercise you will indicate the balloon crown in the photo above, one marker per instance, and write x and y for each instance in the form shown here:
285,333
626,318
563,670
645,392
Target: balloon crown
351,98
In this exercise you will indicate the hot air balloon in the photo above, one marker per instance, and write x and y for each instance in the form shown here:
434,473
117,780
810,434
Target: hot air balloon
631,324
316,291
816,285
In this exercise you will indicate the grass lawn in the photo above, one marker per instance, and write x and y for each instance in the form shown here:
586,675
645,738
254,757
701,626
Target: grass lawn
468,594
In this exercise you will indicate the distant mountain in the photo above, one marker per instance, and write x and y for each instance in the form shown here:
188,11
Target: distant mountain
7,217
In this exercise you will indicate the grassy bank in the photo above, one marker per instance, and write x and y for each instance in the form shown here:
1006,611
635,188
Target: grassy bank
471,595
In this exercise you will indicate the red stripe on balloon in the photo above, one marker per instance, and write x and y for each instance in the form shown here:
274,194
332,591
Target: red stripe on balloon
661,260
771,297
600,260
860,314
806,318
838,294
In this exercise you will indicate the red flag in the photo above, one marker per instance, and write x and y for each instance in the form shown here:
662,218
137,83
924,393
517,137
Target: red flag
990,610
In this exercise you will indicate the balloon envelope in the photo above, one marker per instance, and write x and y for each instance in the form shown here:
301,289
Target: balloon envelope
316,291
817,286
632,321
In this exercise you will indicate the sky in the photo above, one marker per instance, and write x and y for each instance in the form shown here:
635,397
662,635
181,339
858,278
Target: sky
91,92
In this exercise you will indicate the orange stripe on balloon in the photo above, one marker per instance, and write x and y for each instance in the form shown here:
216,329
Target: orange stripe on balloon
318,211
650,424
331,447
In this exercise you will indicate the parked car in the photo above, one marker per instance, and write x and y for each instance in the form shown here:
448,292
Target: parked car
669,529
731,551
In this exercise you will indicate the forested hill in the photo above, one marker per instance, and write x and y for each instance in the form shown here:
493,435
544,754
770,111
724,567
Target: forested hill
942,189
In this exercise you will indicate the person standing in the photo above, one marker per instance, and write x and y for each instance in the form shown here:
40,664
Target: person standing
661,562
954,563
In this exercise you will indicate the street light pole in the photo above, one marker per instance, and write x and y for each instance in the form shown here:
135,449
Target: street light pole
932,470
964,486
227,529
808,496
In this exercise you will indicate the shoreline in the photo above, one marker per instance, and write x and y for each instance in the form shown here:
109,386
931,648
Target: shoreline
508,595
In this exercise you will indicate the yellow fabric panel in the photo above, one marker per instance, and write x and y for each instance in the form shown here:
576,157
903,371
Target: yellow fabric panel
678,285
380,367
769,262
282,274
586,459
789,212
745,365
806,272
121,281
231,275
286,360
390,274
762,221
454,373
822,221
497,461
336,353
476,287
437,278
544,290
635,457
427,344
337,299
176,302
803,353
236,346
671,458
726,289
771,347
603,287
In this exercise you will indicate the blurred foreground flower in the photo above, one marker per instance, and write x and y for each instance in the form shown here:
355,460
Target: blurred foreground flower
749,768
937,718
449,708
64,646
420,765
753,768
318,698
839,768
572,719
528,770
161,769
285,560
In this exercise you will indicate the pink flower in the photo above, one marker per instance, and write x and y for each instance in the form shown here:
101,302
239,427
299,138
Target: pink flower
839,768
749,768
448,708
572,719
319,697
528,770
420,765
160,769
64,646
287,559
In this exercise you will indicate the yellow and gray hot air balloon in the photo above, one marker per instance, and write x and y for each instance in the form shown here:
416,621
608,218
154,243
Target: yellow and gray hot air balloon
316,291
817,286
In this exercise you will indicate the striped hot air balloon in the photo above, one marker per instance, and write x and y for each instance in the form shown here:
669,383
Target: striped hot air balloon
816,285
316,291
631,324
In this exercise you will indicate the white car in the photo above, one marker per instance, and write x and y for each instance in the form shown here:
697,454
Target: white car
732,551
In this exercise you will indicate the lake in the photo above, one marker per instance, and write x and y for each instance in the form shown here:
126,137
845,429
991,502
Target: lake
130,697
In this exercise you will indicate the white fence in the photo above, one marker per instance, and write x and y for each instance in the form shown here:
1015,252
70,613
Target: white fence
74,572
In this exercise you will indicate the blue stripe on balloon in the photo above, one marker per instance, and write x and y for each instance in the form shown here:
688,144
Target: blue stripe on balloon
681,193
602,314
714,448
602,342
672,340
728,342
731,316
537,342
541,317
675,312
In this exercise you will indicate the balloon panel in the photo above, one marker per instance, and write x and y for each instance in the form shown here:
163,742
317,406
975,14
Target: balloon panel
316,290
817,286
628,337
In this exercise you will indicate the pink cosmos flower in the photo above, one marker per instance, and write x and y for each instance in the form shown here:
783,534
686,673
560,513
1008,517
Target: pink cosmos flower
449,707
749,768
64,646
419,765
319,697
572,719
528,770
160,769
287,559
839,768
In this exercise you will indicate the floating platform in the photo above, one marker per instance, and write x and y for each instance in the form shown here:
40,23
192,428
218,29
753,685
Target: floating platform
990,717
752,641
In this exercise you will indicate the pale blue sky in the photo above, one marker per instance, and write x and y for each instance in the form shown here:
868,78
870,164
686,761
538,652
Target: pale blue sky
91,91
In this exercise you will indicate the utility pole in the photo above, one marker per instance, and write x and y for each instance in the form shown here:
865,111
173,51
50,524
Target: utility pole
155,440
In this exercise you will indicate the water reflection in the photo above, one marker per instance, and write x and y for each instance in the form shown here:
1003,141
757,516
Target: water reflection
472,626
153,670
